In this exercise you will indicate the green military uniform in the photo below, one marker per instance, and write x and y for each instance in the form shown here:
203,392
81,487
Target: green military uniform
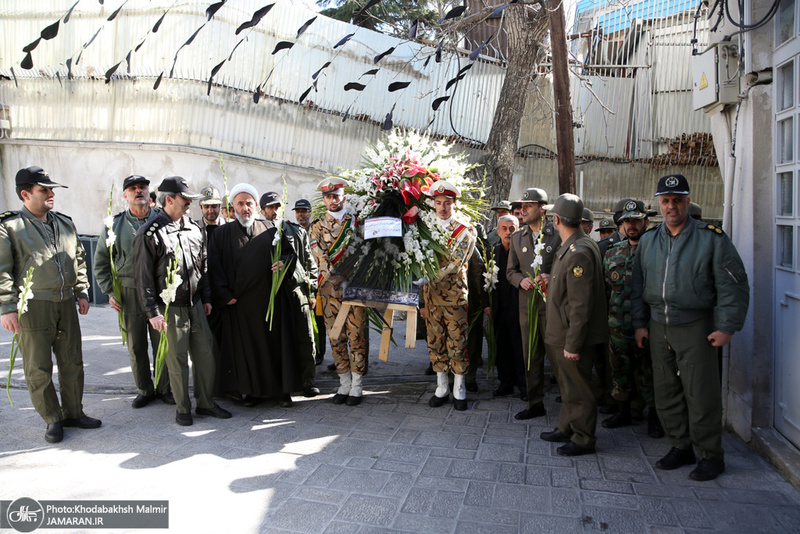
51,322
688,286
631,367
125,225
576,322
187,328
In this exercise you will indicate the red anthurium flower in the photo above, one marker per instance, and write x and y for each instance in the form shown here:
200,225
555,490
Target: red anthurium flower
411,215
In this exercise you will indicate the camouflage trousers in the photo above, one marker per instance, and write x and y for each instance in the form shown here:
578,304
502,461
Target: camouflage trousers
631,369
352,334
447,337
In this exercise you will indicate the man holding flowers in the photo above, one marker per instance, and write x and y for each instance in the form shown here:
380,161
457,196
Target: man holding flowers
117,239
529,261
41,238
187,331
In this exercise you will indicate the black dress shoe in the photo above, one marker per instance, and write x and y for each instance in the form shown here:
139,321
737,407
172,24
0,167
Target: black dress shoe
83,421
339,398
435,401
251,401
707,469
537,410
472,387
184,419
285,401
556,436
460,404
523,397
142,400
573,449
310,391
54,432
166,398
676,458
503,390
353,401
617,420
214,411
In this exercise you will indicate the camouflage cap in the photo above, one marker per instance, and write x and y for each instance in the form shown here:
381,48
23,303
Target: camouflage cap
605,224
633,209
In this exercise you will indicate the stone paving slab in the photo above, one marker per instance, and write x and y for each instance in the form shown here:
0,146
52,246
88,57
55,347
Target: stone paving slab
392,464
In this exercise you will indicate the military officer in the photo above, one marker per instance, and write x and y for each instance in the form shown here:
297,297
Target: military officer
631,367
605,228
587,221
302,213
520,272
39,237
329,237
124,227
617,235
576,323
445,299
210,207
690,283
154,248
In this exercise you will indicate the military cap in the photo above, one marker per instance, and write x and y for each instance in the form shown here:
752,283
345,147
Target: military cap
633,209
179,186
568,206
502,205
534,194
588,216
134,179
675,184
332,185
210,196
695,210
605,224
36,176
302,204
443,187
270,198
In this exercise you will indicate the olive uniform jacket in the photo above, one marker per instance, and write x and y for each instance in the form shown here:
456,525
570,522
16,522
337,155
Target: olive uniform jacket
520,258
576,297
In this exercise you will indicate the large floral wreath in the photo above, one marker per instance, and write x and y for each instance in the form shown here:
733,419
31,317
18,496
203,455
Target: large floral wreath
393,181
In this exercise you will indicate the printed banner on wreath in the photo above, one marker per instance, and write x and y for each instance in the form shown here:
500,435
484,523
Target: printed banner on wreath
383,227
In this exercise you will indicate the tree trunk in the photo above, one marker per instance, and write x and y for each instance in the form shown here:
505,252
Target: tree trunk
565,142
526,28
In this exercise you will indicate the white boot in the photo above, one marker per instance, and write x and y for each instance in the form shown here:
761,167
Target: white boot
356,390
459,392
442,390
442,384
345,383
354,399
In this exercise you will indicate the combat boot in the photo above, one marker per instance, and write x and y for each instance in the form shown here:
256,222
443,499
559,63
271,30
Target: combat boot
621,418
442,390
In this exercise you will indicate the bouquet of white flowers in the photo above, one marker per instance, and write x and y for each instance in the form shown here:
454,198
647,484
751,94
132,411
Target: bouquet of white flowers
25,294
174,281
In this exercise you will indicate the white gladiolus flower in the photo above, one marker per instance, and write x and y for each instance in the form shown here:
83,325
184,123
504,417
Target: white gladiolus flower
111,238
25,295
276,238
537,262
168,294
108,221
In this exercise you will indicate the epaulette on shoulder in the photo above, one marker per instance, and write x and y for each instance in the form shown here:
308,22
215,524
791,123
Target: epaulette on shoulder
152,227
713,228
7,215
292,223
120,214
62,215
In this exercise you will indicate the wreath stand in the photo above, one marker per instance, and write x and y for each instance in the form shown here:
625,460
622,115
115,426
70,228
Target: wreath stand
388,319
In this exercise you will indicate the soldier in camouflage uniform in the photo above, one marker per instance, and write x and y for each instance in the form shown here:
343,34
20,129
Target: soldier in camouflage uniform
329,237
631,367
445,300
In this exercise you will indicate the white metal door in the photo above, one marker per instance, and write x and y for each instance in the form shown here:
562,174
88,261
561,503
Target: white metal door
787,221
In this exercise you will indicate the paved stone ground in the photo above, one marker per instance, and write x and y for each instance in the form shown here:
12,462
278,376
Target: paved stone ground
390,464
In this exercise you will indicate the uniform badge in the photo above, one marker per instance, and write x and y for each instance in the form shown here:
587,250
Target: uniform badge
671,182
572,247
524,249
614,276
441,189
549,249
577,272
630,206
